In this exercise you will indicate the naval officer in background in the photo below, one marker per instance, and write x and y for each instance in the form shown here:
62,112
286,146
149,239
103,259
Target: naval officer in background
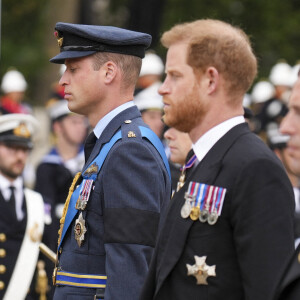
21,210
113,210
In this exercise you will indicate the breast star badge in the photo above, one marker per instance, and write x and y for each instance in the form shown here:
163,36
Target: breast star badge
79,229
200,270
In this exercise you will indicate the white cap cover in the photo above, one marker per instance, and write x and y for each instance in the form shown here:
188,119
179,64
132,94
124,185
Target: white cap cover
152,64
13,81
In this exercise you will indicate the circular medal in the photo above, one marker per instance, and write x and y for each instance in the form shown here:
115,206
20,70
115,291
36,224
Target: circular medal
212,218
203,216
185,210
195,212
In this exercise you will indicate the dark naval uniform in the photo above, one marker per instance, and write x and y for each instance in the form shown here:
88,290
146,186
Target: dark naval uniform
238,245
21,218
53,180
11,238
120,219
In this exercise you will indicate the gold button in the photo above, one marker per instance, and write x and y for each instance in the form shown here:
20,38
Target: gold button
2,237
2,253
2,269
2,285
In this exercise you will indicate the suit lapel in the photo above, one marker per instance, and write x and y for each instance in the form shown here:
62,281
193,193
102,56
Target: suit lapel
174,234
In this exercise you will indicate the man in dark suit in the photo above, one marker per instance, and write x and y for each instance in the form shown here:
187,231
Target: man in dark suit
229,230
289,287
111,216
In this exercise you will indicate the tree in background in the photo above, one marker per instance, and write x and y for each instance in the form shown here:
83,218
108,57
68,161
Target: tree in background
27,27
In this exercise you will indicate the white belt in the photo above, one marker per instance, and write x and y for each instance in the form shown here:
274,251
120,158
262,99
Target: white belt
26,262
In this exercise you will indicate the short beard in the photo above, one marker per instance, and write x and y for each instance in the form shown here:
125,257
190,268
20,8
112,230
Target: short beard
187,113
9,174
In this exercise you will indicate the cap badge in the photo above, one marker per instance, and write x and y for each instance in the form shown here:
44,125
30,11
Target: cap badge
79,229
200,270
59,39
22,131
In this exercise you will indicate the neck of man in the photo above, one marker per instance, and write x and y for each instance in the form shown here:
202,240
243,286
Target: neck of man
212,119
66,149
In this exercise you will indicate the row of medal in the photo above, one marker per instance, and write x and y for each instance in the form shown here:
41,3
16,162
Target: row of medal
203,202
81,203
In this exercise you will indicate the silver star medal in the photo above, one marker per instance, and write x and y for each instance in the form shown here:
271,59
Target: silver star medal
187,206
79,229
200,270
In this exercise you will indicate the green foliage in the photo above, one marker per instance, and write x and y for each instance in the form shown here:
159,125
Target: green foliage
22,37
271,24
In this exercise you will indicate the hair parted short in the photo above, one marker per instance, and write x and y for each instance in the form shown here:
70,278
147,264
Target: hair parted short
129,65
214,43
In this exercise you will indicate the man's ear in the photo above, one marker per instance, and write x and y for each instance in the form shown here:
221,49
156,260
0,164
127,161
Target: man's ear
212,79
110,71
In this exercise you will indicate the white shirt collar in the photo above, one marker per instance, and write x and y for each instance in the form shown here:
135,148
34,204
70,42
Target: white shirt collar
99,128
5,183
207,141
6,192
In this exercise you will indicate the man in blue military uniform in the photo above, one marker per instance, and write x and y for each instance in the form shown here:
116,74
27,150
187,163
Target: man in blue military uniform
112,214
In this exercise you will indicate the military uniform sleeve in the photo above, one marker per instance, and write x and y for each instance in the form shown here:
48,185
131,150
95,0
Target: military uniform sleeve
134,190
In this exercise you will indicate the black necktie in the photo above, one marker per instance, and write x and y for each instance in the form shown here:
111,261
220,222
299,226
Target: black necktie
89,145
12,201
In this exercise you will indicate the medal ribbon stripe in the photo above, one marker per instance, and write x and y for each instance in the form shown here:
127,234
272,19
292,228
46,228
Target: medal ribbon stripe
86,189
208,196
195,193
204,195
221,201
190,163
213,200
198,199
81,280
220,193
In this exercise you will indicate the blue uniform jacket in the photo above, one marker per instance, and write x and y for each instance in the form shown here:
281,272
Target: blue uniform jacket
122,215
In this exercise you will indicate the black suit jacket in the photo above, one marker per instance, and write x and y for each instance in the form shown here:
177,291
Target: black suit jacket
253,238
289,286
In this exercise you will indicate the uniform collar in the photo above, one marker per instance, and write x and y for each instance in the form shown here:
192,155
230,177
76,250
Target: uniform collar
5,183
99,128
